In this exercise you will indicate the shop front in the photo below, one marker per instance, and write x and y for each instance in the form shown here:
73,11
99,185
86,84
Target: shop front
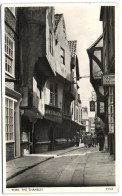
29,119
108,81
45,130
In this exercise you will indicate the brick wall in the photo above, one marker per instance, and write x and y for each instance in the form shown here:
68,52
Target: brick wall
10,19
9,151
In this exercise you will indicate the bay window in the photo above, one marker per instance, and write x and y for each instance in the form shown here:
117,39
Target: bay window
9,119
9,55
53,94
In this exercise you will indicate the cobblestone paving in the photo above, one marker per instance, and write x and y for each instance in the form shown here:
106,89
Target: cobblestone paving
82,167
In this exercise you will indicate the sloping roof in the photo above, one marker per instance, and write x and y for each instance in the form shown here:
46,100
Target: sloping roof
57,19
73,47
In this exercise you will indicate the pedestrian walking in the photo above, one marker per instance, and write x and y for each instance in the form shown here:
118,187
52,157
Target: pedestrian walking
77,138
74,140
85,140
89,141
81,138
94,140
101,140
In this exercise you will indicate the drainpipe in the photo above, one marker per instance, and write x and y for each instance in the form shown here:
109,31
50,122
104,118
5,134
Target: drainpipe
32,138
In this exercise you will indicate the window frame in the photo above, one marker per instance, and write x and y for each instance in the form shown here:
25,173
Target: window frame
8,121
54,94
8,56
62,56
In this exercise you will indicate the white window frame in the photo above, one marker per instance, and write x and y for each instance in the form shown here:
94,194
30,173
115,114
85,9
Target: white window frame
12,10
12,58
13,100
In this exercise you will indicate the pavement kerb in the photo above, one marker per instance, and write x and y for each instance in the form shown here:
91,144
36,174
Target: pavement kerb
69,151
29,167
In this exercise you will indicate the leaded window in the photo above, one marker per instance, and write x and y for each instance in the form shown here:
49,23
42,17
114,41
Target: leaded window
53,94
9,55
9,119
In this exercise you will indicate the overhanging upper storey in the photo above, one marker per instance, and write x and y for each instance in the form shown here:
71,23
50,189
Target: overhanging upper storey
95,53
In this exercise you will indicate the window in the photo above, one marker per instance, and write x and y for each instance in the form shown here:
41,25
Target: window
12,9
9,55
51,42
9,119
53,94
62,56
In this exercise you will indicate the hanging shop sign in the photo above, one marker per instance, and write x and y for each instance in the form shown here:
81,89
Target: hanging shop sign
108,80
92,106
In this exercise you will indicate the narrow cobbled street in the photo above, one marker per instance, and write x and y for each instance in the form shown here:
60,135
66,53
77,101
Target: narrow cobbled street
78,168
59,98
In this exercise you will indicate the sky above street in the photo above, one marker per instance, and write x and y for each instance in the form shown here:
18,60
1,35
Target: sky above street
82,24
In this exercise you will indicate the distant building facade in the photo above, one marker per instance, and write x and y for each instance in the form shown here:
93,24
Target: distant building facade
92,124
85,118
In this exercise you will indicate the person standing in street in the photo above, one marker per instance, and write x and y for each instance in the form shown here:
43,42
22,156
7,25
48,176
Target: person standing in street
74,140
94,140
85,139
89,140
77,138
101,140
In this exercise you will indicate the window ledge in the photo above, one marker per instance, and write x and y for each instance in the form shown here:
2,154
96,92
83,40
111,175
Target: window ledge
11,141
43,142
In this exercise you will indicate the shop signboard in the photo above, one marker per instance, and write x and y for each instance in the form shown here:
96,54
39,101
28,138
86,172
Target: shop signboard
108,79
52,113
